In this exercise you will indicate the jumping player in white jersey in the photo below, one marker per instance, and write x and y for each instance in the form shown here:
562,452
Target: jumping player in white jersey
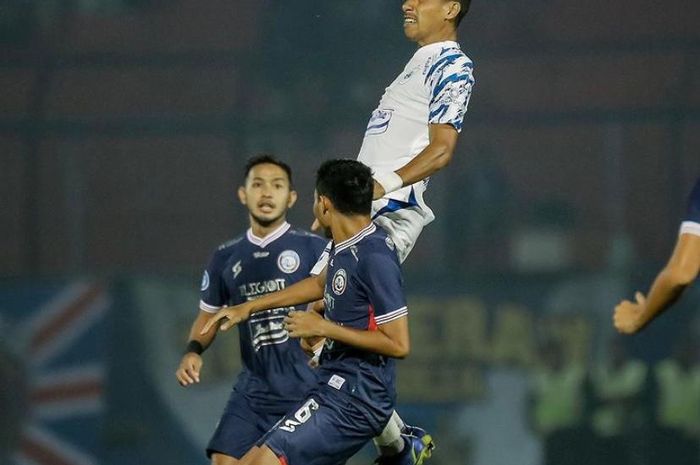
410,136
681,270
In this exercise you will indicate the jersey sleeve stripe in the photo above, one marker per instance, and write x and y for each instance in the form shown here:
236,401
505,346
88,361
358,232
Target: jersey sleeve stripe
205,307
441,63
456,77
690,227
391,316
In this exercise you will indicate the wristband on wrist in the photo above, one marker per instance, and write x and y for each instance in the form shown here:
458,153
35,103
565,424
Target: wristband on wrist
194,347
389,181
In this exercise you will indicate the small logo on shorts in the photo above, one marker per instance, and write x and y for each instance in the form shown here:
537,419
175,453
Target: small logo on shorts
336,382
390,243
339,281
288,261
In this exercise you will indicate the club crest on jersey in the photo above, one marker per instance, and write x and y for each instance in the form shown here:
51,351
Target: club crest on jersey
288,261
205,281
340,281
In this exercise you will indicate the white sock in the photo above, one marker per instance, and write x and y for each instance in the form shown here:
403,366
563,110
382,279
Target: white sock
390,442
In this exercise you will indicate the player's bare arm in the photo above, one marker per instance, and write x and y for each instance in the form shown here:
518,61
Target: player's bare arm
191,364
681,270
304,291
438,153
391,339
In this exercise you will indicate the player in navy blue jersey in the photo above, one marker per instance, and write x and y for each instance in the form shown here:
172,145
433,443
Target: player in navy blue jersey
270,256
679,273
365,326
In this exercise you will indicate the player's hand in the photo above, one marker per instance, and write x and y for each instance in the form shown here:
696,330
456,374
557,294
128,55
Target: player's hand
228,317
378,191
190,367
304,324
311,344
628,315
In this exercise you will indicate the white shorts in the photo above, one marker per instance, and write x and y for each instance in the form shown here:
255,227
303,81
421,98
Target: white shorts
403,216
403,225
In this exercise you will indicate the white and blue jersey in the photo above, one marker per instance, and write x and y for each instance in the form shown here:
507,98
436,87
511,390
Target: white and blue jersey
433,88
364,290
691,222
275,374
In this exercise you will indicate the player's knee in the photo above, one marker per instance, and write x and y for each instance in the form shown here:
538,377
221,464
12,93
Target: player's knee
221,459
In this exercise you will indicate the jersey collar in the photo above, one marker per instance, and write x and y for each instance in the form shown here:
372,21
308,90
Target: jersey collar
366,231
270,238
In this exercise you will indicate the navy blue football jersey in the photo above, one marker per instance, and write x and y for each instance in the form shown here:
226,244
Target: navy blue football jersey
275,373
364,290
691,222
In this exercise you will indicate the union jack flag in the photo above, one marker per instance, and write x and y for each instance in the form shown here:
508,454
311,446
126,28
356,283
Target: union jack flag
57,340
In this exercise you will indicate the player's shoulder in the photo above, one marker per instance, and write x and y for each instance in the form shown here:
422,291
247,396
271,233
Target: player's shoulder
453,52
306,237
378,247
447,58
231,246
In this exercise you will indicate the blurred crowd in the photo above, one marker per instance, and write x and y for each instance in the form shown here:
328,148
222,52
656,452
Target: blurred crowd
621,411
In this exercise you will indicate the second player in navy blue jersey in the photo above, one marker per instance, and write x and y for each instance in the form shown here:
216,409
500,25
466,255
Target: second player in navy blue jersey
270,256
364,325
681,270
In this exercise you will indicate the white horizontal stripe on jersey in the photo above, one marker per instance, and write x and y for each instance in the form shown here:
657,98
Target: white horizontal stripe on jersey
391,316
356,238
205,307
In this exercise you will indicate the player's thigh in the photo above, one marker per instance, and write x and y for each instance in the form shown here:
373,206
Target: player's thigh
322,431
239,429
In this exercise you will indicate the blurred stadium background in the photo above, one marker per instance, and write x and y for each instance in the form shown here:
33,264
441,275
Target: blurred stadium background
123,128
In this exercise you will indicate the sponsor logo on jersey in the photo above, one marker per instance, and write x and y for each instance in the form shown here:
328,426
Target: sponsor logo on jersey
205,281
267,328
255,289
378,122
260,254
236,269
288,261
339,281
407,75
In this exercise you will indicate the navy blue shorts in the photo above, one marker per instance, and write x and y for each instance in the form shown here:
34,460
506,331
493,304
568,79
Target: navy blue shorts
327,428
240,428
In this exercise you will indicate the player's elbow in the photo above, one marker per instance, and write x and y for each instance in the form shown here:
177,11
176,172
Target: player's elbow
682,275
444,157
401,349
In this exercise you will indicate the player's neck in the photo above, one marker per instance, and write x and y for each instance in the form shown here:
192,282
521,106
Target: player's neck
262,231
344,227
439,36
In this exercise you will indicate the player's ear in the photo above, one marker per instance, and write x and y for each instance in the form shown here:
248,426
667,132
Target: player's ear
453,9
292,199
241,195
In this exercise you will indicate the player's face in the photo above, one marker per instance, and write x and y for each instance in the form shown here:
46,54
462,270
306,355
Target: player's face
322,214
428,21
267,194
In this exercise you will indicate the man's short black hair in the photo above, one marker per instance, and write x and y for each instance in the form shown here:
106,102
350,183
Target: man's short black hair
348,184
266,158
465,4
